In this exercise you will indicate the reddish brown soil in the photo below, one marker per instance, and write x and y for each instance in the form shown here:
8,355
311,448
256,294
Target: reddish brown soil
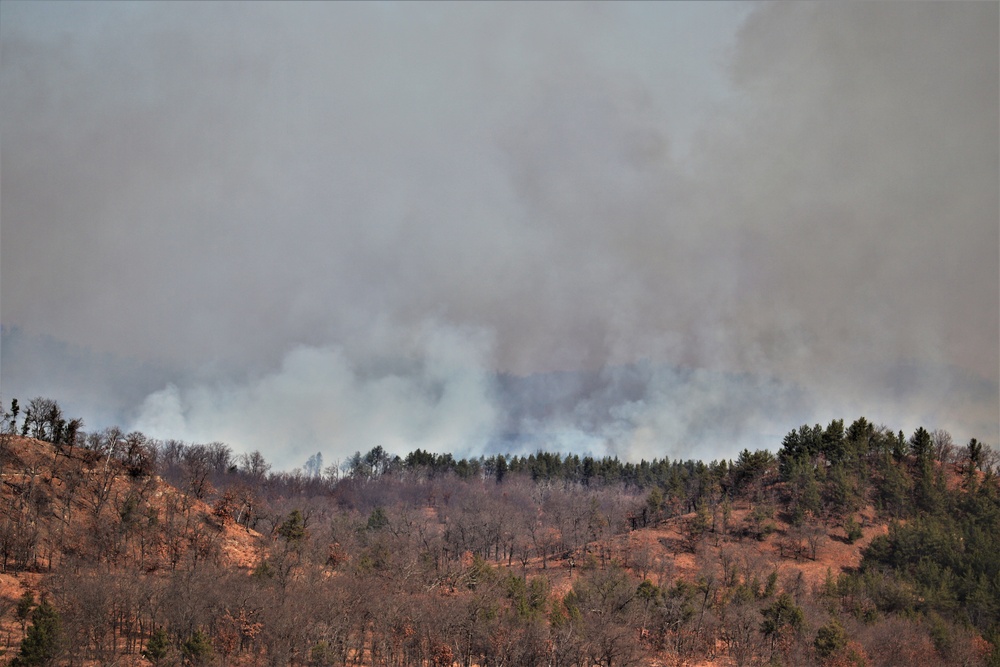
662,552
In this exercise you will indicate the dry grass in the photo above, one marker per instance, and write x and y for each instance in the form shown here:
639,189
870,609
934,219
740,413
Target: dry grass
661,552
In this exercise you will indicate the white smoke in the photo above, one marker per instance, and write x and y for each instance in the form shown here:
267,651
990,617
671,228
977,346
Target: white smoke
341,225
433,394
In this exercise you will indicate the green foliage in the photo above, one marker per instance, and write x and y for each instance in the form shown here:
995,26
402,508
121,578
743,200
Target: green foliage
940,563
654,502
571,605
321,654
830,639
377,520
467,468
780,615
921,444
853,529
478,572
500,468
751,467
833,442
529,599
829,588
647,591
701,522
8,420
376,558
894,491
842,494
24,606
157,647
293,530
264,571
41,644
726,509
760,520
772,584
974,456
559,616
799,446
944,562
899,448
941,634
197,649
861,434
805,491
806,445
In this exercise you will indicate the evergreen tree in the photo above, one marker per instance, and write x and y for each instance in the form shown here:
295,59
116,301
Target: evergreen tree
806,499
378,519
157,647
833,441
197,649
830,639
782,617
24,606
9,423
921,445
41,645
860,434
974,455
780,614
500,471
294,528
842,493
899,447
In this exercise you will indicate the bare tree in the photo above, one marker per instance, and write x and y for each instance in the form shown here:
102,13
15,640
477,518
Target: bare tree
943,447
101,482
197,466
42,419
254,466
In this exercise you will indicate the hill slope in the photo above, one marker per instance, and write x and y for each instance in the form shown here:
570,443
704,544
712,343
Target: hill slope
763,560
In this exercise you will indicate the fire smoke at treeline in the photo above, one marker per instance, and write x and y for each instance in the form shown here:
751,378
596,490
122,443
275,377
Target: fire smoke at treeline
631,229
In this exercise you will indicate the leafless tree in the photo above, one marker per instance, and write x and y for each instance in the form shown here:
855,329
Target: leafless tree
944,448
253,465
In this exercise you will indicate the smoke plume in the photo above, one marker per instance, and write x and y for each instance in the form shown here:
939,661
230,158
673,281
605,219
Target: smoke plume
633,229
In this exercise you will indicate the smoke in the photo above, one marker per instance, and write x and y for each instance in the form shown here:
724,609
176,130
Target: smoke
648,411
434,394
632,229
440,399
100,387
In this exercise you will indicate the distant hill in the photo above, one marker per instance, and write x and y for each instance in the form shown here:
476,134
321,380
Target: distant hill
850,546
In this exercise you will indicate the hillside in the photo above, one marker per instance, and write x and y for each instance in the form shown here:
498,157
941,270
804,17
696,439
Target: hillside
833,552
69,509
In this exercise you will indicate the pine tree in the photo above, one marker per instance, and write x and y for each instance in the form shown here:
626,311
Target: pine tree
24,606
294,528
197,649
920,444
41,645
157,647
377,520
781,614
782,617
830,639
501,468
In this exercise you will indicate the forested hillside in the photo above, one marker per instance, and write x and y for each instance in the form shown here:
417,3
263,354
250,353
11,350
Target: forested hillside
854,545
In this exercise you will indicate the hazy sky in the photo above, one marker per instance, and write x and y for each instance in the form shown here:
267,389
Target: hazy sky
644,229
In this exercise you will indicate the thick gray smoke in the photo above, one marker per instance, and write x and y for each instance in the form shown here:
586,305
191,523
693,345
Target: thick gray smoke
627,228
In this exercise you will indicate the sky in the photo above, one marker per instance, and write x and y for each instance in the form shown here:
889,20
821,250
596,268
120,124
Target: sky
640,230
